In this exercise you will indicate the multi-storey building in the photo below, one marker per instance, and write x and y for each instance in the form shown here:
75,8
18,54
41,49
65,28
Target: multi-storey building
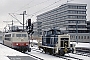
88,26
35,28
70,17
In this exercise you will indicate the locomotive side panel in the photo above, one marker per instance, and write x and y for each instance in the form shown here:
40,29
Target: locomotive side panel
55,42
17,40
7,40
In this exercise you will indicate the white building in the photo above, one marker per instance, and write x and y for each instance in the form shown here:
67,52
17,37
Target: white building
70,17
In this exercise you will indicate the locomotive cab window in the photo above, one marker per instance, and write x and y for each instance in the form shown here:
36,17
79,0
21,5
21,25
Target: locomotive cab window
21,35
18,35
8,35
24,35
64,38
64,42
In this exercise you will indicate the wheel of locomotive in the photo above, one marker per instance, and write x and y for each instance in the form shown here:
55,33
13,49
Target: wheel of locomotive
44,49
19,49
50,51
24,50
72,51
29,49
53,52
61,52
3,42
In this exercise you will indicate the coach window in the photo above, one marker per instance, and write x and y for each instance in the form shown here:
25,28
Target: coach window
18,35
24,35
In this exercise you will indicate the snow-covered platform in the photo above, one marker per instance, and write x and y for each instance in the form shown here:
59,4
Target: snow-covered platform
7,53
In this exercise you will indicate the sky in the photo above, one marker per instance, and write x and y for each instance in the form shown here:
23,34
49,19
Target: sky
11,9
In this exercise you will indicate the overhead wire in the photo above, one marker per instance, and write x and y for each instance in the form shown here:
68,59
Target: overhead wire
38,4
31,6
24,6
44,8
15,18
37,11
48,7
19,21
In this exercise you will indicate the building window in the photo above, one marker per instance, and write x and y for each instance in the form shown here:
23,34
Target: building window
88,37
76,7
84,37
81,37
76,12
76,17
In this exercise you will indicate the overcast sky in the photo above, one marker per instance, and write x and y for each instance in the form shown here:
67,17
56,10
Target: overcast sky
32,7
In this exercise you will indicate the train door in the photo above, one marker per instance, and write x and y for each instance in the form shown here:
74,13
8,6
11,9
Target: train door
52,41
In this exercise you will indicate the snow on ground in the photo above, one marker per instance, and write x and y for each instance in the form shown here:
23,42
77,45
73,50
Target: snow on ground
85,45
45,56
50,57
78,56
4,58
6,51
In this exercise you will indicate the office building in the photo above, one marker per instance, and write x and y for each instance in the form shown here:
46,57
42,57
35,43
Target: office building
70,17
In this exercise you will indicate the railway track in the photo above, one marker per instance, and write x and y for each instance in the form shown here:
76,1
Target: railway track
38,58
82,53
66,57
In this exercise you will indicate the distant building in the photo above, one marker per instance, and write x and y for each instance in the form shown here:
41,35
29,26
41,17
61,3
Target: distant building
70,17
88,26
36,34
35,29
1,36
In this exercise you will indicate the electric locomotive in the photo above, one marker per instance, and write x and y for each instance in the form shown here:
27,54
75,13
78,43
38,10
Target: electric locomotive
55,42
17,40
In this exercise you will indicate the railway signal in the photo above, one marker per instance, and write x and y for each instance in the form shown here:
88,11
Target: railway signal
30,27
29,22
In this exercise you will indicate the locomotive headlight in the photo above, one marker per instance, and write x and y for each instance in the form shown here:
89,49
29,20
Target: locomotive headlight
16,43
26,43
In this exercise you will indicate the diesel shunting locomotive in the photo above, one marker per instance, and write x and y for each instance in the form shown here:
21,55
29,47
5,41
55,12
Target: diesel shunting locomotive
55,42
